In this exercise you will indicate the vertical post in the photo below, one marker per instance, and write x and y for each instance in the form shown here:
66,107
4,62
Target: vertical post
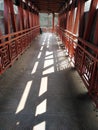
96,31
32,18
12,16
81,19
68,20
90,19
53,22
27,14
6,17
76,25
20,17
0,36
71,23
38,18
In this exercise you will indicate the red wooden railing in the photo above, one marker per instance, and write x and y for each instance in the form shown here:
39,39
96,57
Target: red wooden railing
85,57
14,44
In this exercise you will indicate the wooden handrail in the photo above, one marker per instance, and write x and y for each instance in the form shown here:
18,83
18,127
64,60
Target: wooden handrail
85,55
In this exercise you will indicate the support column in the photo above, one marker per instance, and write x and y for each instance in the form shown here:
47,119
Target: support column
81,18
20,17
12,16
96,32
76,24
53,22
90,19
6,17
0,36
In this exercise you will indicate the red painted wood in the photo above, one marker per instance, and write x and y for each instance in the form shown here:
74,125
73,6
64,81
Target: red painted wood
96,31
53,22
6,17
76,24
12,16
90,19
81,19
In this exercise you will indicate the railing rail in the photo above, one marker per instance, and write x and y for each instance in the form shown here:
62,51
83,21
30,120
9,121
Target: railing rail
85,58
14,44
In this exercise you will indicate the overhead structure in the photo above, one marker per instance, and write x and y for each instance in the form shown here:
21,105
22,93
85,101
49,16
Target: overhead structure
50,6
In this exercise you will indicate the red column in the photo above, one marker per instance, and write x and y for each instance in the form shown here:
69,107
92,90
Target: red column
12,15
53,22
6,16
90,19
96,32
76,25
81,23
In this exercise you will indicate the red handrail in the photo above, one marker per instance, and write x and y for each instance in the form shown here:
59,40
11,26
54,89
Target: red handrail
85,57
14,44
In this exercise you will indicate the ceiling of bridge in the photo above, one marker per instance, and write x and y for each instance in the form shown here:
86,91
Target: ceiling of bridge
49,6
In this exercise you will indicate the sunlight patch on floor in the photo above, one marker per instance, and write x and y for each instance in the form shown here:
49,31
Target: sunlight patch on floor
48,63
35,67
41,48
24,97
49,57
43,86
39,55
41,108
40,126
47,46
17,123
49,70
43,43
49,53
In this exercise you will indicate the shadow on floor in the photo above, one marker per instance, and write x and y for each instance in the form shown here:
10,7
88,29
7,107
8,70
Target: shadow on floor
42,91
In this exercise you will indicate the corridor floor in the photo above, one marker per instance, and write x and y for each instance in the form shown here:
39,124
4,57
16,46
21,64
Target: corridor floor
43,91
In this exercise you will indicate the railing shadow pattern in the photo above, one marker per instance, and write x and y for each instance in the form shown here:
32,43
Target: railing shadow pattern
85,57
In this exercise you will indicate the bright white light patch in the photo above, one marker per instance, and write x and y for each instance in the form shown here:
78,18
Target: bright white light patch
41,48
41,126
44,40
41,108
87,5
48,40
17,123
39,55
43,86
48,53
48,63
97,6
43,43
24,97
34,68
49,57
48,71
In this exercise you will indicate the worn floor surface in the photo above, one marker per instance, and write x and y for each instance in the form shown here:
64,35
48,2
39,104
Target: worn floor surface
42,91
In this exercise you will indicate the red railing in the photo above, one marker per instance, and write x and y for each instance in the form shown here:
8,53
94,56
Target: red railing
85,57
14,44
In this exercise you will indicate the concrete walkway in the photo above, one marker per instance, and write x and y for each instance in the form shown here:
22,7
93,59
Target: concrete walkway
42,91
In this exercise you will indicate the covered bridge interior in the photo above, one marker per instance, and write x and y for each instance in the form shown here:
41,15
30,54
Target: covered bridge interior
49,77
